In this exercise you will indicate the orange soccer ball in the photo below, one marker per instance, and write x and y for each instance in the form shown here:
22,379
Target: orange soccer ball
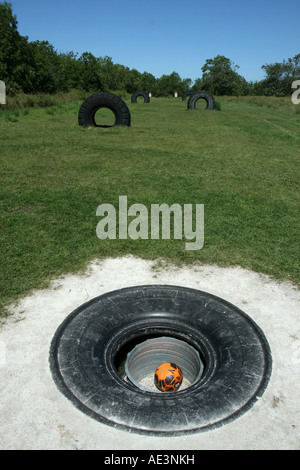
168,377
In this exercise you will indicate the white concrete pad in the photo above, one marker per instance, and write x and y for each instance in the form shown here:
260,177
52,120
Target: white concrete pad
35,415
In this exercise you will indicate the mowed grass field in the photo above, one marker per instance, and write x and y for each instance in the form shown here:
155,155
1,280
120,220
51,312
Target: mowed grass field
242,163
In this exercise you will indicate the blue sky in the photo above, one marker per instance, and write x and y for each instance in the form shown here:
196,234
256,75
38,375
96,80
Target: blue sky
165,36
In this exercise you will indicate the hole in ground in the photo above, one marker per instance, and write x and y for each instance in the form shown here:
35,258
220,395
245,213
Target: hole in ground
138,359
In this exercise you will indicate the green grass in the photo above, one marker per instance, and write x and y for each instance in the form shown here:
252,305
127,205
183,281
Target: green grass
242,163
42,100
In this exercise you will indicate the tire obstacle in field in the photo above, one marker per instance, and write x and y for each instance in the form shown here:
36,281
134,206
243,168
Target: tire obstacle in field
89,108
201,95
142,93
218,347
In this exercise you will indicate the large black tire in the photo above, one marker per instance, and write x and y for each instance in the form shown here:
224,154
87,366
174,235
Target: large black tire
88,109
89,345
210,102
186,94
136,94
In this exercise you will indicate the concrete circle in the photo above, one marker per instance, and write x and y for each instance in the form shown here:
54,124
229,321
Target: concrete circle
35,415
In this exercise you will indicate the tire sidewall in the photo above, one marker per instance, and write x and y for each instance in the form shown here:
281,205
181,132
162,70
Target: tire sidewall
106,323
210,102
142,93
86,115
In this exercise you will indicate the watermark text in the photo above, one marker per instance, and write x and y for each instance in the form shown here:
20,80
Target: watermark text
295,99
2,92
137,222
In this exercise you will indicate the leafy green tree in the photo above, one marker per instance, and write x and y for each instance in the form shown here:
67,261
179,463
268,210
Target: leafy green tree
90,77
69,76
280,76
220,77
168,84
133,81
12,49
197,85
42,68
174,82
185,85
163,86
107,73
148,82
119,76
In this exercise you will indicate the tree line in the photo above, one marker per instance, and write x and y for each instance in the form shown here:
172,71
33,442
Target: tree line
36,67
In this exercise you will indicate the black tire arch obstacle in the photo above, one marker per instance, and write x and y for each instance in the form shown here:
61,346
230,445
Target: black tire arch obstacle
229,368
201,95
186,94
142,93
89,108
